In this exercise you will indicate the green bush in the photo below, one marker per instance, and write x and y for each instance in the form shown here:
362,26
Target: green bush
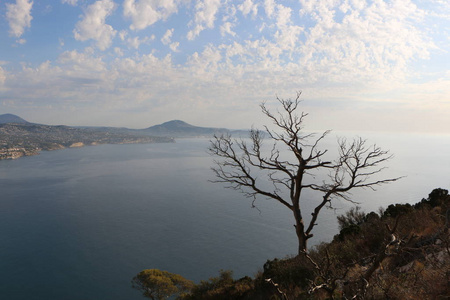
221,287
158,285
296,271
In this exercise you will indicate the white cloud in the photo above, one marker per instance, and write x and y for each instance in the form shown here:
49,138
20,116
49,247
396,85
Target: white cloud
82,62
2,76
123,34
192,34
174,46
248,7
373,42
93,25
135,42
206,64
21,41
269,7
205,16
288,35
226,29
144,13
71,2
19,16
166,39
118,51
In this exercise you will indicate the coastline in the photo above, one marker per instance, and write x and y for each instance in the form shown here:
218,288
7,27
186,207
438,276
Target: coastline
18,152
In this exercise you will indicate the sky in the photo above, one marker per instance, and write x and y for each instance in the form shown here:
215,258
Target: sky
361,65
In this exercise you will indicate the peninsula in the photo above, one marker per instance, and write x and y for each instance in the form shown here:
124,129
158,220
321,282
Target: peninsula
20,138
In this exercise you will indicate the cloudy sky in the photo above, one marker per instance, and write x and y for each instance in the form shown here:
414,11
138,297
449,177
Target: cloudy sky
361,64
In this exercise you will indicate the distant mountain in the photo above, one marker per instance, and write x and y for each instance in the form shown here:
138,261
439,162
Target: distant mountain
10,118
177,128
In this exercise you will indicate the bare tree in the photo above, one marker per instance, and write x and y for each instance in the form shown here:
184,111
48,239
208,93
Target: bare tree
241,164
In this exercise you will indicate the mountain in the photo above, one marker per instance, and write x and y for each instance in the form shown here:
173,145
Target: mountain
10,118
177,128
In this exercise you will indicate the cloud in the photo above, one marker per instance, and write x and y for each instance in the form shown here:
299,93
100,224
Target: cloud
287,35
167,37
248,7
21,41
93,25
118,51
269,7
226,29
19,16
123,34
192,34
82,62
372,41
71,2
167,40
135,42
2,76
144,13
205,16
174,46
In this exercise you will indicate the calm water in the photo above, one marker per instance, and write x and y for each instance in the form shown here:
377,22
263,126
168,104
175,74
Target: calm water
80,223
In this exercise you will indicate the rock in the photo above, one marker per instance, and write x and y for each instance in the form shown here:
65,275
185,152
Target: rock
77,145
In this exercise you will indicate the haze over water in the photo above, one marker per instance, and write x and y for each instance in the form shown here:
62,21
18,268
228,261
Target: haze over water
80,223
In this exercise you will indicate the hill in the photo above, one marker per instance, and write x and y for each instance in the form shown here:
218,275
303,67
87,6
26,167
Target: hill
177,128
10,118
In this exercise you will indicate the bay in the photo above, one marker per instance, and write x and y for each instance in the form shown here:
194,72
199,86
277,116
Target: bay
80,223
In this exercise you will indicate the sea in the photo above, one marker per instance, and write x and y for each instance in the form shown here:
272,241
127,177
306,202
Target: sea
79,223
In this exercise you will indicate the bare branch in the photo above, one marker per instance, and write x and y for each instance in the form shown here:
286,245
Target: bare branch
234,169
256,170
277,287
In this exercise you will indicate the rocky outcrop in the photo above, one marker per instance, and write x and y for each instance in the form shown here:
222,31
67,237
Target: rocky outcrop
77,145
14,153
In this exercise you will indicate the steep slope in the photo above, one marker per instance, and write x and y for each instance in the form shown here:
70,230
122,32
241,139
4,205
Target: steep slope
177,128
10,118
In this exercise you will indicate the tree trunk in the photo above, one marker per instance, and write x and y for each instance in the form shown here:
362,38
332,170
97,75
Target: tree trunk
300,232
302,241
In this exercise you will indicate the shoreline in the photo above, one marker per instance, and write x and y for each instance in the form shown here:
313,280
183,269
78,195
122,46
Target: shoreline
18,152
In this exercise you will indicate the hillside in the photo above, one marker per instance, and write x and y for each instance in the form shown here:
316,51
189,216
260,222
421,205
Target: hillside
177,128
10,118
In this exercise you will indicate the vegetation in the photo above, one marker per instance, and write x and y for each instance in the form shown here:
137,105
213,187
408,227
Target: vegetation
245,166
158,285
402,252
223,287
